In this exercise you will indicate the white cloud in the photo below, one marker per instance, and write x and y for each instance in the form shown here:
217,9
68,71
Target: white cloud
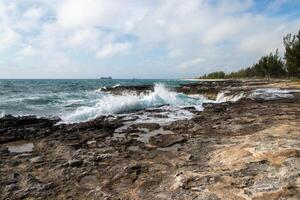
174,53
173,33
84,38
28,51
33,13
8,38
260,44
223,30
191,63
110,50
79,13
118,14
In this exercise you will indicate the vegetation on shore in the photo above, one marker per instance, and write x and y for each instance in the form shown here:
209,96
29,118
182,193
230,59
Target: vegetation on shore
270,66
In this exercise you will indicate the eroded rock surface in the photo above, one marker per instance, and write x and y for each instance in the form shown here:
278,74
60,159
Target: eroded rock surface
248,149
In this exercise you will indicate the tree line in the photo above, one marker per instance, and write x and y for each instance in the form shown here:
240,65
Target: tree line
271,65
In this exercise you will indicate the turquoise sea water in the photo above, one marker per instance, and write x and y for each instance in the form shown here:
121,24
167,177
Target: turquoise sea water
81,100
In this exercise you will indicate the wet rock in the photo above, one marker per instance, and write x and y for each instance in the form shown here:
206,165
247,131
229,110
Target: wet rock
36,159
75,163
165,140
149,126
213,107
89,182
243,150
208,88
26,127
180,125
136,88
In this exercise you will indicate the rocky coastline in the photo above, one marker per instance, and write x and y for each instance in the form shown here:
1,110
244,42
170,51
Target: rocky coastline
248,149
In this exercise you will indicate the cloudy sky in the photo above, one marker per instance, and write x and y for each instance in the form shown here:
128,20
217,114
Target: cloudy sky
139,38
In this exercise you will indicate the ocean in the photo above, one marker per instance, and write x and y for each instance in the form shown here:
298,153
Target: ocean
83,100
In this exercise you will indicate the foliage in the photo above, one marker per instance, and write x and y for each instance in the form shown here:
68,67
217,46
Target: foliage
269,66
215,75
292,54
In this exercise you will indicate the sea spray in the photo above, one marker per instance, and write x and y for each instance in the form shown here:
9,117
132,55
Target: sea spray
81,100
2,114
128,102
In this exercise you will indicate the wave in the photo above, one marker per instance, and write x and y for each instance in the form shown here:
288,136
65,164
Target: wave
116,85
128,102
100,90
2,114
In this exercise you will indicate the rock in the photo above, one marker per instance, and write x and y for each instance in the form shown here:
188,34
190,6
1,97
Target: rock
36,159
243,150
75,163
165,140
213,107
89,182
136,89
149,126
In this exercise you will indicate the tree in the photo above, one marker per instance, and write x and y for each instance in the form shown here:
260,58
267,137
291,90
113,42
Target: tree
276,65
214,75
270,66
292,54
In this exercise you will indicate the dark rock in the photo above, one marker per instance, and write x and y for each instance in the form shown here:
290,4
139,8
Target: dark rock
150,126
136,88
213,107
75,163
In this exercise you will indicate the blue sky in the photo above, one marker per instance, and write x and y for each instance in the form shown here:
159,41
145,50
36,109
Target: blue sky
139,38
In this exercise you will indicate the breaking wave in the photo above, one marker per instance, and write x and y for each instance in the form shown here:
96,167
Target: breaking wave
128,102
2,114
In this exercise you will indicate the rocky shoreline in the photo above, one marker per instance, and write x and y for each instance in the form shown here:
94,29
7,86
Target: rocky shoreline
249,149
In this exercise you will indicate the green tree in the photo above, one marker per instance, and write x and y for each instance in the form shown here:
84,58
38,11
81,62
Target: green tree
270,66
214,75
292,54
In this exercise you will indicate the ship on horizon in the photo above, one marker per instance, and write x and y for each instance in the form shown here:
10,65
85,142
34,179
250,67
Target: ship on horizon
106,78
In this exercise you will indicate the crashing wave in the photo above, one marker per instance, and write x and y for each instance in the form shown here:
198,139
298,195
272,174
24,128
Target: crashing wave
117,85
2,114
101,89
128,102
172,102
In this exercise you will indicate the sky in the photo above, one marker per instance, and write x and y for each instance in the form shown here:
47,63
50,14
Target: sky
139,38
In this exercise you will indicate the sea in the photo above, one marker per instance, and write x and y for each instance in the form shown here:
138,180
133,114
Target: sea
82,100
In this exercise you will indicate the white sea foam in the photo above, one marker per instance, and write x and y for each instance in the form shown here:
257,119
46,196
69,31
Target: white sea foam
101,89
172,102
2,114
223,97
272,93
111,104
117,85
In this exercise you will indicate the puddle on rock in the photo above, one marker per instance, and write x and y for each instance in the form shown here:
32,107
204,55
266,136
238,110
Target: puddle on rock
145,136
89,182
142,135
20,147
174,147
133,148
